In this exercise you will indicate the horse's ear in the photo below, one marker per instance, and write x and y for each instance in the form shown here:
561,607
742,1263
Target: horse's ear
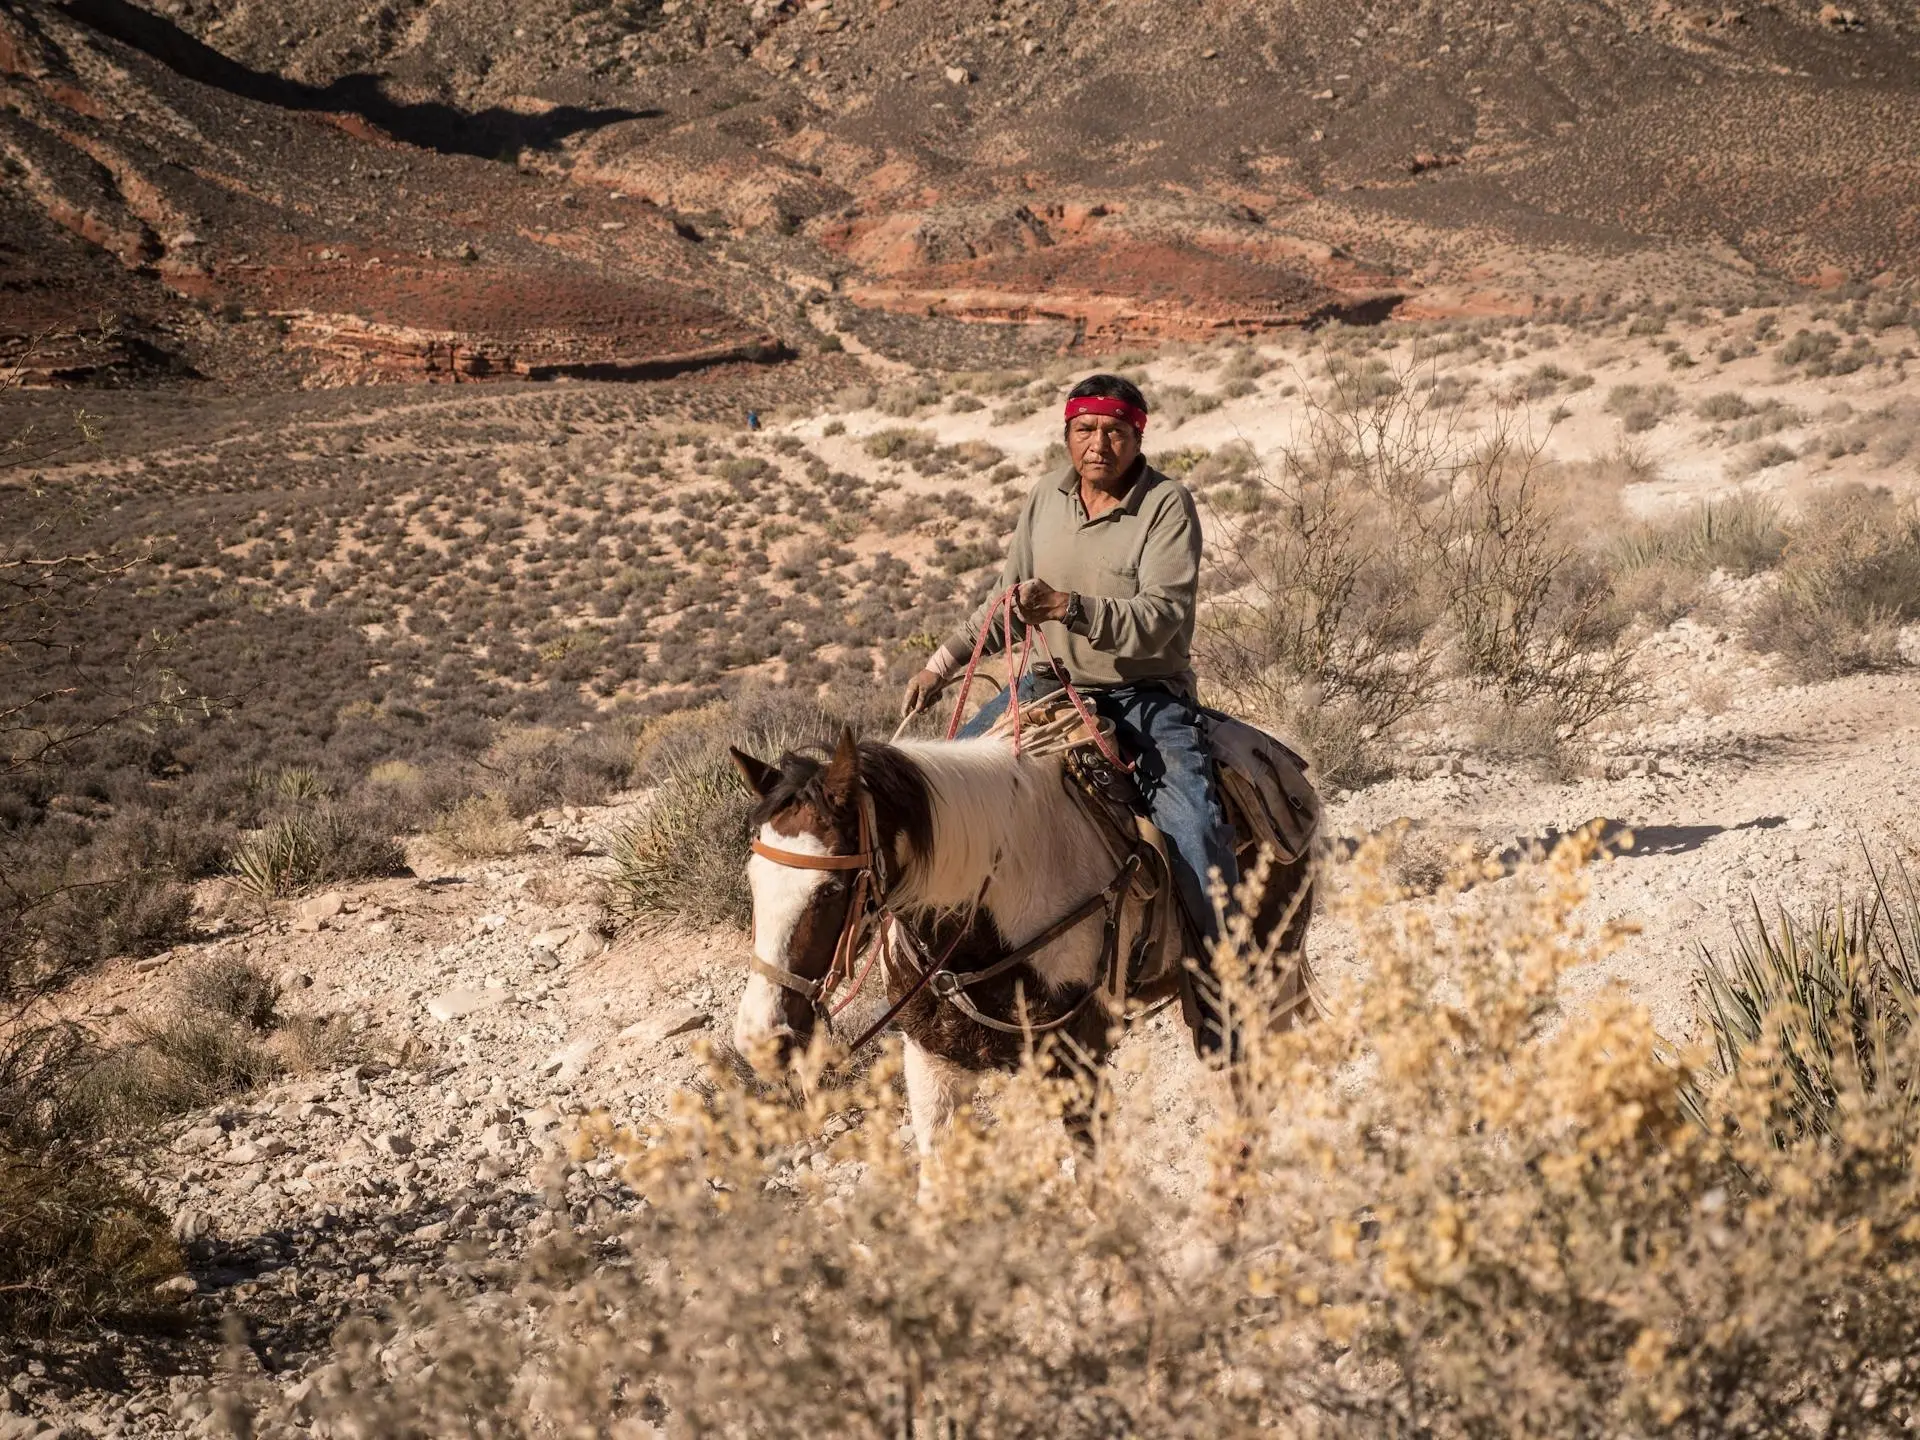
843,771
759,775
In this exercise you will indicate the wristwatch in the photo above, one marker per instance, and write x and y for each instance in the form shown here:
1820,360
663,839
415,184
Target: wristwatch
1076,615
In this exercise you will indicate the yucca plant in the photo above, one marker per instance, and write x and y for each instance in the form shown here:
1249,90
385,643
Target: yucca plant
1834,999
270,862
300,784
313,847
1742,533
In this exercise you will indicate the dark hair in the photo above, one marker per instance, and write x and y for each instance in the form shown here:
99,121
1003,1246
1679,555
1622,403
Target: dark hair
1109,387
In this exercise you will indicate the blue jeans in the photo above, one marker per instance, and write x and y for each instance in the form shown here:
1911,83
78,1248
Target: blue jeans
1166,735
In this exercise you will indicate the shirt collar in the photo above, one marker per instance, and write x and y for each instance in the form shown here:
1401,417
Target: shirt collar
1129,502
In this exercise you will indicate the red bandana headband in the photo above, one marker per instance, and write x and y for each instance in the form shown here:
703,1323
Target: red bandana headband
1107,405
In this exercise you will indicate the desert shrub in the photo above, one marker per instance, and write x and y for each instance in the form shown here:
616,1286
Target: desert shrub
184,1062
1831,1002
231,987
1361,387
1535,618
1547,379
480,827
537,766
1180,464
1019,408
92,909
221,1034
1174,405
75,1244
1724,405
1849,578
1765,457
309,847
685,858
681,861
1458,1205
898,443
1323,609
908,397
1741,534
1641,407
1391,548
1768,418
979,455
1814,349
404,796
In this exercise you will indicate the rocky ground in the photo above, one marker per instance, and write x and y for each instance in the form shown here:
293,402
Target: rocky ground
464,189
493,1008
507,1016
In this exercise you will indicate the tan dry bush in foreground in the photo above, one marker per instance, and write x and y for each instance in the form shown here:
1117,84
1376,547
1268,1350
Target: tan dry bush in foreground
1450,1208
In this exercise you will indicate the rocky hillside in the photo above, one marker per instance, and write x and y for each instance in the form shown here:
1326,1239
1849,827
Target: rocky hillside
458,188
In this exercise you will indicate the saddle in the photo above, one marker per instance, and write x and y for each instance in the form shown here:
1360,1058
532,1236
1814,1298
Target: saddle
1263,783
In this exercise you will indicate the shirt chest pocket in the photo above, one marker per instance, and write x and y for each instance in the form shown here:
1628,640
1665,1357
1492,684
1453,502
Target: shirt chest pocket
1116,578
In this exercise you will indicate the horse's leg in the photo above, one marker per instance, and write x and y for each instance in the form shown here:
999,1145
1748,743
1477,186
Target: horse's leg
936,1088
1076,1059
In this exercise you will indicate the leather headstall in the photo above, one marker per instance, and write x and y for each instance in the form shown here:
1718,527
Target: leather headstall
869,890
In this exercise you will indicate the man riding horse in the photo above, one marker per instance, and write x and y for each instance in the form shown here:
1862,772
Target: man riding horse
1106,560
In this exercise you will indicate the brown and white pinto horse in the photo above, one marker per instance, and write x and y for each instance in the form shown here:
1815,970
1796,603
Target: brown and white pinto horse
979,851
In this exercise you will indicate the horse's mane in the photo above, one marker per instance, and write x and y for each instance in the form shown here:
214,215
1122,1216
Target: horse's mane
899,790
967,809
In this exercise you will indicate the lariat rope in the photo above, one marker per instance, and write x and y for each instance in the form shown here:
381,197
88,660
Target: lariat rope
1000,608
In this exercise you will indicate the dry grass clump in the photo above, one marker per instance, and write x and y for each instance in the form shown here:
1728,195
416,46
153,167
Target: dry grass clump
209,1043
1724,405
480,827
1452,1208
75,1245
1741,534
1659,568
1850,577
222,1034
533,767
681,861
898,443
1174,405
1641,407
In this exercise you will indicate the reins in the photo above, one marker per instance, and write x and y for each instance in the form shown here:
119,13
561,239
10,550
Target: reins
870,883
1000,609
869,898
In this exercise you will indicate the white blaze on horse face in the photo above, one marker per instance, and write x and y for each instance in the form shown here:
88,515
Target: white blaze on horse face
781,895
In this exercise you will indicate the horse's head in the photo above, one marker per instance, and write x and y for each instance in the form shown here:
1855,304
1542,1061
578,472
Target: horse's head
809,810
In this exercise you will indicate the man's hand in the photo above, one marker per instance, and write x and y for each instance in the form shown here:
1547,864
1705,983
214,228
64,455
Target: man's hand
1035,601
920,692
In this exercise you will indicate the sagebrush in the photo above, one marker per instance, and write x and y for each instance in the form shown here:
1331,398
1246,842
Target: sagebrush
1453,1207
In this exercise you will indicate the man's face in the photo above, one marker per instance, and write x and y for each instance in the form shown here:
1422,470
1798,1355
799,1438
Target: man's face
1101,447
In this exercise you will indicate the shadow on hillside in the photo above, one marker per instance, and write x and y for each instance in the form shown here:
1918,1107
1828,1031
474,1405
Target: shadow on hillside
489,133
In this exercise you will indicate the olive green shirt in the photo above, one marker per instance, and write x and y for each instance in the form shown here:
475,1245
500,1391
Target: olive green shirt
1136,569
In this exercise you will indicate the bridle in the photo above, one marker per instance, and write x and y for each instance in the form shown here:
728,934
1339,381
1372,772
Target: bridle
868,897
869,900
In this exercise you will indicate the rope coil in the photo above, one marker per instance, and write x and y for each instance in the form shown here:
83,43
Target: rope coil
1001,608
